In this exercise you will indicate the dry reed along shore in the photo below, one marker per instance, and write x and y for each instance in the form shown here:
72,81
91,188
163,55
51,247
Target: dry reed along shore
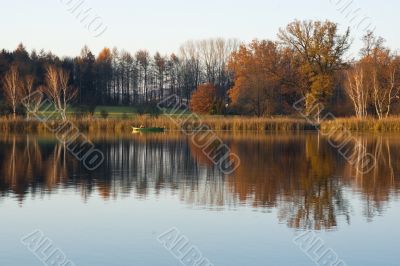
92,125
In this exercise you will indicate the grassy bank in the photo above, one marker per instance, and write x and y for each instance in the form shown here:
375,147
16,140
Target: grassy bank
94,125
120,126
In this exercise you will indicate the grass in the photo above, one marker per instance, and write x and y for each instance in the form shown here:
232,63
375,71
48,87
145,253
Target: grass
113,112
116,111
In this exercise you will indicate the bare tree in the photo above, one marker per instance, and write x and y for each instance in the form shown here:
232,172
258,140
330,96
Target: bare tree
386,89
32,97
381,77
12,88
58,89
214,56
357,90
191,68
68,93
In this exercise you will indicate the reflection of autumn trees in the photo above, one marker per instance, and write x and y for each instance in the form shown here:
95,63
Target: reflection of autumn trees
140,165
293,174
305,177
33,166
380,185
19,165
301,176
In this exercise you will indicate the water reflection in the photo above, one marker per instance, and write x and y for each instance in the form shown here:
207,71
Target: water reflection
302,177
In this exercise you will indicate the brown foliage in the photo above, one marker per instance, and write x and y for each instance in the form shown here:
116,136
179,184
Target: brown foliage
105,55
203,99
320,50
258,70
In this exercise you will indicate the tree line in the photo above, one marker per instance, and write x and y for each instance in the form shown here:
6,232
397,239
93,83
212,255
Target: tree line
216,76
118,77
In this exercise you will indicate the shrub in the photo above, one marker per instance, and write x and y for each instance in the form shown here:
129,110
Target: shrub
104,114
204,100
4,109
150,108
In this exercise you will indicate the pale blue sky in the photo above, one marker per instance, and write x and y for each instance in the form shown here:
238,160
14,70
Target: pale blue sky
164,24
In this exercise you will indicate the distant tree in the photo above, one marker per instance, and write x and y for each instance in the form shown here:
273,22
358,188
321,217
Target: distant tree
174,74
13,86
190,68
22,59
214,54
85,78
104,74
143,60
203,99
160,65
127,74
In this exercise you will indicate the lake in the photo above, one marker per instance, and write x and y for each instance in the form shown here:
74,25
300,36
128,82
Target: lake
293,200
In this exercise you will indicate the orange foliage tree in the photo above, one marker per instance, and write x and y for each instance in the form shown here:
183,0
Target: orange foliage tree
257,77
203,99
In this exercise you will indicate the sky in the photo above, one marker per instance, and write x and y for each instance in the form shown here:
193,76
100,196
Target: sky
163,25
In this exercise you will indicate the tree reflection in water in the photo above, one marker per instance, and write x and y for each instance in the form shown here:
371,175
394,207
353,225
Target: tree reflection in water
300,175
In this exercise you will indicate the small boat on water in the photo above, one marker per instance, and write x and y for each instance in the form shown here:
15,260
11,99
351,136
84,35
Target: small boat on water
148,129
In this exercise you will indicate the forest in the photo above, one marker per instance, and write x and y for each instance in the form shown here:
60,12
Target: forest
263,78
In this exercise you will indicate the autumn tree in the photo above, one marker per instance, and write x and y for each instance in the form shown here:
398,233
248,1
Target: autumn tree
320,48
257,72
203,99
13,86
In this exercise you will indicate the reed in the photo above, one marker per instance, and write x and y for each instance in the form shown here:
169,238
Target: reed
91,125
390,124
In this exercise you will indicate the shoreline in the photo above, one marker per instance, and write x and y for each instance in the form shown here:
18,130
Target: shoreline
90,125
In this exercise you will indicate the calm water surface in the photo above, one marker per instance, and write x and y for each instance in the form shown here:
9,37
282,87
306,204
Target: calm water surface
287,184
